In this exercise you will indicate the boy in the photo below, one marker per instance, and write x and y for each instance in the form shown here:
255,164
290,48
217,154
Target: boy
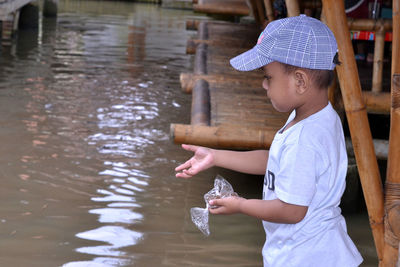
306,165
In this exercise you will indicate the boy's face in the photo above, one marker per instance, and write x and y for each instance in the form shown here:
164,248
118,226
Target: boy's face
280,87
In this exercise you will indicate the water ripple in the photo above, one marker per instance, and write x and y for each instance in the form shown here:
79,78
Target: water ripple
116,236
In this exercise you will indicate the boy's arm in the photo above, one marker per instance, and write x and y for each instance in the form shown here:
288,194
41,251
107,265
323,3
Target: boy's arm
252,162
275,210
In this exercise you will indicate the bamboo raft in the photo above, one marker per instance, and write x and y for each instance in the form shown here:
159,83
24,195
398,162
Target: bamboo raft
229,110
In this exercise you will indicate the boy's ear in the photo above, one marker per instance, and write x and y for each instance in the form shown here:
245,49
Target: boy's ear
302,81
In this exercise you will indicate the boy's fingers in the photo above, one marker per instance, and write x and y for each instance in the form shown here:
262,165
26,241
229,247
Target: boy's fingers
190,147
217,210
216,202
183,175
186,173
183,166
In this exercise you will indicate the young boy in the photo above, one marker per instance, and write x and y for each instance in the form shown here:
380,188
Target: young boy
306,165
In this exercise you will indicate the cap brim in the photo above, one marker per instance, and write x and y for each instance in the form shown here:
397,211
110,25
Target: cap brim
249,60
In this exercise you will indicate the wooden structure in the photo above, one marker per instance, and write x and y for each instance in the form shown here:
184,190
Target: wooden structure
223,100
218,93
10,11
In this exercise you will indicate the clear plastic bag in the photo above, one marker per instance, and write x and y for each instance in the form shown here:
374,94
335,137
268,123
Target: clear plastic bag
222,188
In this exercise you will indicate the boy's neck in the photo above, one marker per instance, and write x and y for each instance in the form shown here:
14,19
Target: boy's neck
313,103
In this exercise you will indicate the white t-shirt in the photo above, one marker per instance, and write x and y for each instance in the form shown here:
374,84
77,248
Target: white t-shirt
307,166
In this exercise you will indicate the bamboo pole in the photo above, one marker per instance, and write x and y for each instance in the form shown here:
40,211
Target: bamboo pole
378,103
202,32
396,40
269,11
392,186
200,62
261,12
254,10
377,68
369,24
223,136
358,121
200,114
293,8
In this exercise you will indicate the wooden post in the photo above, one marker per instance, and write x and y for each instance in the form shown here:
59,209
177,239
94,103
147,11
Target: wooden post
378,61
269,11
378,103
200,114
392,186
358,120
200,62
29,16
369,24
254,10
396,39
293,8
50,8
8,28
261,12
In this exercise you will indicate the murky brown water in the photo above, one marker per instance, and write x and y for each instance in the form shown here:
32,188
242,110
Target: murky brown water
87,166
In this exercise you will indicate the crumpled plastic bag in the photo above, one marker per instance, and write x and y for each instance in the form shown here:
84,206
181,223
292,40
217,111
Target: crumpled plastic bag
222,188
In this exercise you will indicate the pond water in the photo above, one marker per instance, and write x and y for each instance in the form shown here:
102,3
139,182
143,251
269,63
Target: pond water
87,165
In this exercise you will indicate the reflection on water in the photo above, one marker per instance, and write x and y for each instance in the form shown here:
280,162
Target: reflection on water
116,236
87,167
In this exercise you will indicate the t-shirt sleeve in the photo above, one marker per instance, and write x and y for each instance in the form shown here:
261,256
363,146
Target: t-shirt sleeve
296,178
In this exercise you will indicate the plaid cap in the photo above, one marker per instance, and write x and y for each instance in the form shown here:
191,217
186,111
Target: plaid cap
300,41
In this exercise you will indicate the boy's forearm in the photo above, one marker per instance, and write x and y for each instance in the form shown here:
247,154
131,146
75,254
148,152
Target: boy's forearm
275,210
252,162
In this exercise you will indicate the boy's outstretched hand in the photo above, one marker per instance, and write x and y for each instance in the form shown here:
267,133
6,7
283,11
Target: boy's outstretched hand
202,159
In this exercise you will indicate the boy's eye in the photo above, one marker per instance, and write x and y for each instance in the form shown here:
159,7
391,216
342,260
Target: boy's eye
267,77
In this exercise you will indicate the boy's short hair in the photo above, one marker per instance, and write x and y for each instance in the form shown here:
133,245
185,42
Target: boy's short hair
299,41
320,78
